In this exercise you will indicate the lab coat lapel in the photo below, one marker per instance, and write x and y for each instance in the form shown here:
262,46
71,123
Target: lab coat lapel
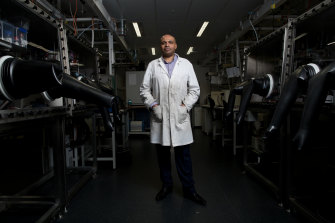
161,63
175,69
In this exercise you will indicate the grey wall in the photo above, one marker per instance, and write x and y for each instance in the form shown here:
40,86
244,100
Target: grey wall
133,82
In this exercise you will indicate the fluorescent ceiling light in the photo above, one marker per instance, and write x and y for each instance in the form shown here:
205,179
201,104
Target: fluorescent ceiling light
190,50
331,43
153,51
202,29
137,29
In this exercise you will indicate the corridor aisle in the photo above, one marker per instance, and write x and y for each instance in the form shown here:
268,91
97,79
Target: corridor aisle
127,193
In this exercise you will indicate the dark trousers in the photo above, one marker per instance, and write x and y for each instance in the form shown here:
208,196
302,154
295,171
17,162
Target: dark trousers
183,164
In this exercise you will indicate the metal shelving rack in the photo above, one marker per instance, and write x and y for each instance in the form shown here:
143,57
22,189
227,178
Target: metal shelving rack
285,186
313,202
54,189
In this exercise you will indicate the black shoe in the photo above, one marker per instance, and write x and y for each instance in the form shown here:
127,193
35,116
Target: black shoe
163,193
194,196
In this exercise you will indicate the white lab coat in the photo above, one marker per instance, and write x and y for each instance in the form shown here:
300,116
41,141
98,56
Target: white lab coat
170,122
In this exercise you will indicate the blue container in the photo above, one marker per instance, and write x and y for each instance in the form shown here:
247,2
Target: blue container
20,37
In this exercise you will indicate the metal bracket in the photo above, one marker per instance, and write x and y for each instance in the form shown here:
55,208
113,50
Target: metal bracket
288,52
64,51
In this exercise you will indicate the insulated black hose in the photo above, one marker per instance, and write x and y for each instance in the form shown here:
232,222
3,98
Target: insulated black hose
108,90
264,86
294,86
21,78
246,96
211,107
108,123
316,95
229,111
99,85
72,88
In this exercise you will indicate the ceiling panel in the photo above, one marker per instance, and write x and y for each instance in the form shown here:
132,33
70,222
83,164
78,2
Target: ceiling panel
207,10
113,8
182,18
140,11
172,10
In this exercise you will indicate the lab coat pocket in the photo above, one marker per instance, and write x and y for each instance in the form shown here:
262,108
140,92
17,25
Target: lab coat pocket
157,112
182,114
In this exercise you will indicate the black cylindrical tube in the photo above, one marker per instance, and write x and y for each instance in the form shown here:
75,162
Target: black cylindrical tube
263,86
106,119
21,78
72,88
287,99
294,85
245,100
316,95
229,111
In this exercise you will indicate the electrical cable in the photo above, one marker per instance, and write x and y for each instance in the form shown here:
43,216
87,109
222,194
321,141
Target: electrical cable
86,29
41,48
74,23
253,28
228,83
75,18
71,9
92,42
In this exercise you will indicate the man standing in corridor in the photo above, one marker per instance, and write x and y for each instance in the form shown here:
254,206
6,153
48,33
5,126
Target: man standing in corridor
170,89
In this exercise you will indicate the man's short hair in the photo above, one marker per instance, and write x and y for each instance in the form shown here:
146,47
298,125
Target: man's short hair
168,35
